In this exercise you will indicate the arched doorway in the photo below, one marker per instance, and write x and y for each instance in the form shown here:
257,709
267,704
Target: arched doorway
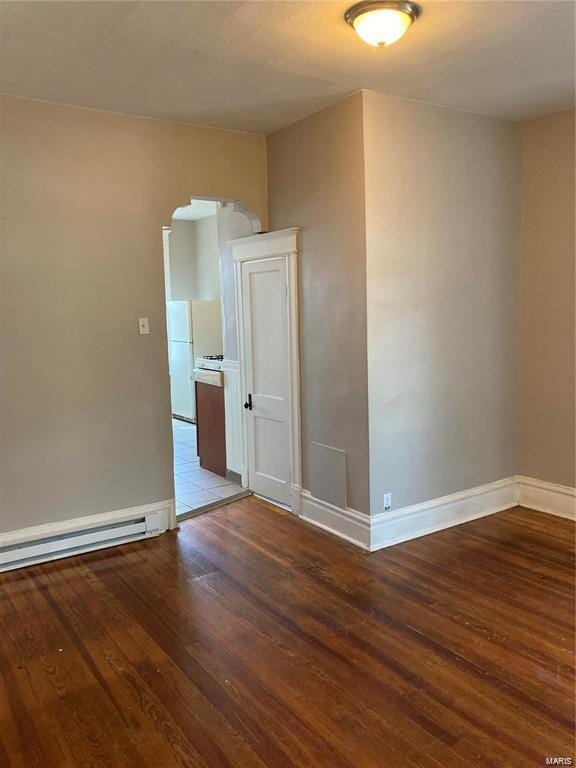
203,350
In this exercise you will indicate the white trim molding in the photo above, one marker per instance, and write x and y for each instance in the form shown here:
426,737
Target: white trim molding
266,245
53,541
223,202
233,415
348,524
389,528
239,207
386,529
559,500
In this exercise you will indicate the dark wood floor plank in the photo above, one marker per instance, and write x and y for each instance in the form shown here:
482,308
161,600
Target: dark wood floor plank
536,737
251,640
115,671
455,622
125,587
231,616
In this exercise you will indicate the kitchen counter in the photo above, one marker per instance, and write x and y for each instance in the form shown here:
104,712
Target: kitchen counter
204,376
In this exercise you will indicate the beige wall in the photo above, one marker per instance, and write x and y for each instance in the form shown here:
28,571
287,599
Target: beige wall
85,401
194,259
413,206
547,320
316,182
442,234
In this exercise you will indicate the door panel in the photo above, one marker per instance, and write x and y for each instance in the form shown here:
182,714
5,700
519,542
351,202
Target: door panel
264,305
268,341
270,449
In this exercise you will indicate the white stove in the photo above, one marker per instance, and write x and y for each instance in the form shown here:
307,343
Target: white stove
210,362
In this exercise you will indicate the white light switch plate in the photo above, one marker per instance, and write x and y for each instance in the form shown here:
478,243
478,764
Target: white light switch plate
143,326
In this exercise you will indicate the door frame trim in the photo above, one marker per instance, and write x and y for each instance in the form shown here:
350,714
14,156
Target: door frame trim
274,245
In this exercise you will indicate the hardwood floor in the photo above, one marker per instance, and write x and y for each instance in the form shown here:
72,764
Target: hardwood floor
251,639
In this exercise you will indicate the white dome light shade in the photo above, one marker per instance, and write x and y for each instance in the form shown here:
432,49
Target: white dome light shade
382,27
384,23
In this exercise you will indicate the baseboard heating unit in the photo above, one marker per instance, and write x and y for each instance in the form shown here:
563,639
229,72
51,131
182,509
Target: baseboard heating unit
73,537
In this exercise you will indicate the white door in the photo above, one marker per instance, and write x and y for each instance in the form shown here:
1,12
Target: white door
266,369
267,302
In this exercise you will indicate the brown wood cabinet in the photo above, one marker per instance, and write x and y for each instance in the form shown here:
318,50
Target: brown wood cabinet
211,427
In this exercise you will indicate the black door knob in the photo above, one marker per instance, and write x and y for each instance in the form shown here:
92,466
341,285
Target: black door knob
248,403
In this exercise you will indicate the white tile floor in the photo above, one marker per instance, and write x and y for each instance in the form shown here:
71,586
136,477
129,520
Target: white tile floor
195,487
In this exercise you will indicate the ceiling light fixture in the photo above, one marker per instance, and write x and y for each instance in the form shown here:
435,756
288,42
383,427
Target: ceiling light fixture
382,23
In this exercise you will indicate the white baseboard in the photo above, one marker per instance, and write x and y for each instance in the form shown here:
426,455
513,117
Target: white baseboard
348,524
53,541
295,499
43,543
389,528
559,500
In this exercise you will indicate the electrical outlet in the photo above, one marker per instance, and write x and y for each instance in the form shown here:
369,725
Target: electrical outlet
386,502
143,326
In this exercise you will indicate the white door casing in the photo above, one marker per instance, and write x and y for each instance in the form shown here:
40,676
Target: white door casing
267,305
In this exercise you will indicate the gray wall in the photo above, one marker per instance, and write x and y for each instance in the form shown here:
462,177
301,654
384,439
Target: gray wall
316,182
194,259
207,259
85,402
442,220
547,319
182,260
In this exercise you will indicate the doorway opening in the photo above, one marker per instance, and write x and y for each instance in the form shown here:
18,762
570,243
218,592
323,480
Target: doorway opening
203,352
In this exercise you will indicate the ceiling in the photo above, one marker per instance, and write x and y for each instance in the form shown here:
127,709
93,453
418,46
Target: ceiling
198,209
260,65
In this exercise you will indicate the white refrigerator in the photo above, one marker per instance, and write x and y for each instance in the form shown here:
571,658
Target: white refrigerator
194,329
